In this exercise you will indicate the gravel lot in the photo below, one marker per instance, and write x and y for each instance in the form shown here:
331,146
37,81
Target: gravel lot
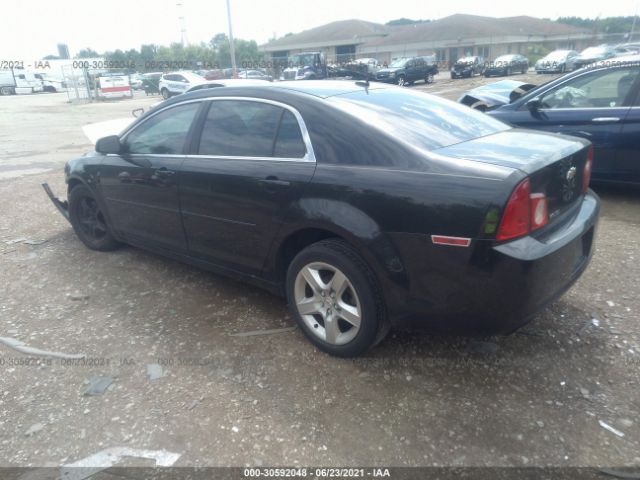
538,397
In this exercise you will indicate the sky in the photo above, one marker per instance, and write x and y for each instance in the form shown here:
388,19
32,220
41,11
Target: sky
32,29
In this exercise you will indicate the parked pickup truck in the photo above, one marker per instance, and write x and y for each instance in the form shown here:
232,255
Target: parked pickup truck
306,66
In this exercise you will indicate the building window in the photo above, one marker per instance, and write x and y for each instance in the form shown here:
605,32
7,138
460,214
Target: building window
483,52
345,53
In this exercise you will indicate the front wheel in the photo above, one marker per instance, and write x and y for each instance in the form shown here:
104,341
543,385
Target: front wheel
428,78
333,296
6,91
165,93
88,220
401,81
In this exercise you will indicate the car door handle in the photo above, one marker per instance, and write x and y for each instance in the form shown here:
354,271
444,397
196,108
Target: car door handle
163,172
271,180
605,119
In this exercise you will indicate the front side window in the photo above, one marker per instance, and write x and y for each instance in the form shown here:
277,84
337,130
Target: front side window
236,128
164,133
604,89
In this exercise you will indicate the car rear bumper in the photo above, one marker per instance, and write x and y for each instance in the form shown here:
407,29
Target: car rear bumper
501,287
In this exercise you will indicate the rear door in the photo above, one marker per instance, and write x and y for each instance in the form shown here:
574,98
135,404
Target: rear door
140,186
594,106
250,163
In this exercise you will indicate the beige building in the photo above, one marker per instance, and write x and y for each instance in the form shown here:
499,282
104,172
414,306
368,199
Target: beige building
448,38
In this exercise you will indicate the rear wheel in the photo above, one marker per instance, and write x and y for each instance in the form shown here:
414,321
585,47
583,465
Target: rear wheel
333,296
88,221
401,81
6,91
428,78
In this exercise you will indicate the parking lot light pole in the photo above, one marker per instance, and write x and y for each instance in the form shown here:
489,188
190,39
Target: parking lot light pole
232,50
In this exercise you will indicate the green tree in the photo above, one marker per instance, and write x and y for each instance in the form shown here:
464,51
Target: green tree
87,53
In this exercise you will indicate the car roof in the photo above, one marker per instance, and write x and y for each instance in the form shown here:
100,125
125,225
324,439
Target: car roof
229,82
315,88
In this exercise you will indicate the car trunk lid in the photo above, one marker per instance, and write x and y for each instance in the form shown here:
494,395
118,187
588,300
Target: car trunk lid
554,163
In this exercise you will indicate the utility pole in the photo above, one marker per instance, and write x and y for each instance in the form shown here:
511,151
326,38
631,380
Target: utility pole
183,26
633,25
232,50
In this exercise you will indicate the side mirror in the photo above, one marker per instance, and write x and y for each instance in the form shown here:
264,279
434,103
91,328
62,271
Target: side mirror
110,144
534,104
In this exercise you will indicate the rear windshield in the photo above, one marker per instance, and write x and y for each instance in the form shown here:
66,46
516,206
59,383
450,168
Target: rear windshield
421,120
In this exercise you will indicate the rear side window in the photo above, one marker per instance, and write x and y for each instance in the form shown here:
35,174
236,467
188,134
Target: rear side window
289,143
240,129
164,133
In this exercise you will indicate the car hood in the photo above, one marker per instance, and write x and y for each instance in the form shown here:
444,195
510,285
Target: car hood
496,94
525,150
95,131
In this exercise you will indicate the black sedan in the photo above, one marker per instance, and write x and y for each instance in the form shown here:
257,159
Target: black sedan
601,104
467,67
365,206
507,65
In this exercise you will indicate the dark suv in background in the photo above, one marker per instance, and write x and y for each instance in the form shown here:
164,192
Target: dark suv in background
405,71
467,67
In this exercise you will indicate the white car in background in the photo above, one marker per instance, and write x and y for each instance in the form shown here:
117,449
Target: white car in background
175,83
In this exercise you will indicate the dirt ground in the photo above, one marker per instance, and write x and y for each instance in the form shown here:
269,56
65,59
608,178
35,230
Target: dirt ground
562,391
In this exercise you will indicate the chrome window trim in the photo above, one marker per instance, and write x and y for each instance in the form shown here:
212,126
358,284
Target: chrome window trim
308,157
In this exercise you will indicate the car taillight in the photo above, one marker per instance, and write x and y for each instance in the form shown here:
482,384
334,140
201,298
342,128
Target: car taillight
524,213
586,174
539,210
517,214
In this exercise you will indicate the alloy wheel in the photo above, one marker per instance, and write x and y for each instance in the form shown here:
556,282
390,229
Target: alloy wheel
91,219
327,303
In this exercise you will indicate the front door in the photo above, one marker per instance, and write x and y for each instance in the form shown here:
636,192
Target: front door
249,165
140,186
593,106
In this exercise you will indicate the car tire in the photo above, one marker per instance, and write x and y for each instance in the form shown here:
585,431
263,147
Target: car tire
6,91
453,76
165,93
401,81
88,221
357,298
429,78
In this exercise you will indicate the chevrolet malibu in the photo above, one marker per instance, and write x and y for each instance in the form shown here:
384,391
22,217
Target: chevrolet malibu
366,207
